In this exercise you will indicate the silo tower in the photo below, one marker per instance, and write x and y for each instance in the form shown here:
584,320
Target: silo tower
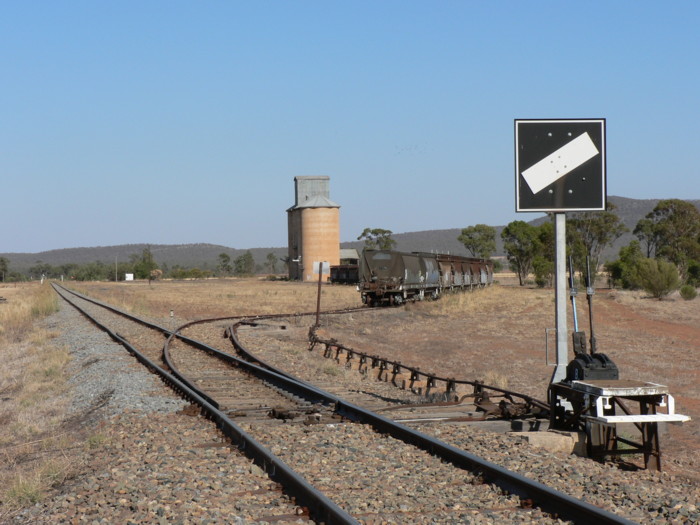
313,229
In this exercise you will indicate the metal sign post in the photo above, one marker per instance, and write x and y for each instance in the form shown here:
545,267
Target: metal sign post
560,299
560,167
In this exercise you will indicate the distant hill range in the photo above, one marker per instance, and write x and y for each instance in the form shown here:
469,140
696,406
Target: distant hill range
206,256
202,256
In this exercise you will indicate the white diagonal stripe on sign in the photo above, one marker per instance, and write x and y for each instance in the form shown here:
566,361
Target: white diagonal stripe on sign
562,161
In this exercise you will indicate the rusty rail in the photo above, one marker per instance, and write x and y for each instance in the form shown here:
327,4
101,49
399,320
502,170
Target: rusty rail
530,491
320,506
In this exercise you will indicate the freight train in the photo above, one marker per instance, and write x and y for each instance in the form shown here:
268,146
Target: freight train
387,277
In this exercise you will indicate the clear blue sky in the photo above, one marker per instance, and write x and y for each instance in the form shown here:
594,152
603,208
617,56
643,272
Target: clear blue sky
171,122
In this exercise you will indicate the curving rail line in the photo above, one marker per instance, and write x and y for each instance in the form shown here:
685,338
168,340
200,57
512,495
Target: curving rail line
320,506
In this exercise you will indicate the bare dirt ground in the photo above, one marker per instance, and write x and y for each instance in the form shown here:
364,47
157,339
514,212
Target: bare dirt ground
492,333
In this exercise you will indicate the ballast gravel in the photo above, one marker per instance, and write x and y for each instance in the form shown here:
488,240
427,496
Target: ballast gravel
147,460
97,391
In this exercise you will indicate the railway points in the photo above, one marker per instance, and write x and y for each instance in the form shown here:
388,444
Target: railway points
303,425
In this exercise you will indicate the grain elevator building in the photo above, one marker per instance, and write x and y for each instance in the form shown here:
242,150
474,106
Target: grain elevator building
313,229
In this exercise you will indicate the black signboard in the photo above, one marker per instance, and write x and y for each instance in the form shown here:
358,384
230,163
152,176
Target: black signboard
560,165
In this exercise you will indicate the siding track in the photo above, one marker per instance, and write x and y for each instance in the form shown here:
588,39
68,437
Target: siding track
457,486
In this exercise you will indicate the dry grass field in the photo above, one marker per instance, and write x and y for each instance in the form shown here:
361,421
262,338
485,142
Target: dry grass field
35,447
495,334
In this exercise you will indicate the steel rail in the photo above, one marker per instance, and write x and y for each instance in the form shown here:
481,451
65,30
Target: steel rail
320,507
545,498
278,378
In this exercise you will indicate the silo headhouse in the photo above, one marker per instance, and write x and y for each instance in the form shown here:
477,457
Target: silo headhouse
313,229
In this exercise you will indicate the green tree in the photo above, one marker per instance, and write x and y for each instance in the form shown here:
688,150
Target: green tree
41,269
271,262
480,240
377,238
647,233
693,276
4,266
94,271
543,262
591,233
543,269
224,266
675,224
244,264
521,245
623,271
658,277
144,264
68,270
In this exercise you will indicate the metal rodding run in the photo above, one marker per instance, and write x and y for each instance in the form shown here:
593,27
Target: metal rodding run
413,378
531,492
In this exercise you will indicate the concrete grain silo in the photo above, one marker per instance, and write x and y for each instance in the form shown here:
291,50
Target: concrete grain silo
313,229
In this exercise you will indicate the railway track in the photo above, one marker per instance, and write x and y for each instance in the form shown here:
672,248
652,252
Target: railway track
325,437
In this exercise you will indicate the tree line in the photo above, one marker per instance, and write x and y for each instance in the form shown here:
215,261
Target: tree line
664,257
142,266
